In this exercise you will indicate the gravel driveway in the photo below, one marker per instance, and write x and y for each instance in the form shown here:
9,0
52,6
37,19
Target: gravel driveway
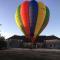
30,54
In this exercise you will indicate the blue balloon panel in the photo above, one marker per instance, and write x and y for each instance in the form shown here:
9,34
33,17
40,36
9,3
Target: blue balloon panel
33,13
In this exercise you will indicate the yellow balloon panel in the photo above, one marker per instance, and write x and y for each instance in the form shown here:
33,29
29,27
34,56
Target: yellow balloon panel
17,20
40,18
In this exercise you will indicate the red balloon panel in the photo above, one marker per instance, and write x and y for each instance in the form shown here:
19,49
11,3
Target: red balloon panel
24,12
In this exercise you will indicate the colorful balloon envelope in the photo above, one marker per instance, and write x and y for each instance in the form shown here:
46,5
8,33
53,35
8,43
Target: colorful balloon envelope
32,17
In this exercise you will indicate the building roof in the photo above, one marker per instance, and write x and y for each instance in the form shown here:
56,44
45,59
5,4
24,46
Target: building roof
39,39
52,37
16,37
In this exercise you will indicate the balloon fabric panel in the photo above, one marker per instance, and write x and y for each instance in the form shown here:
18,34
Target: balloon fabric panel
45,21
18,20
40,18
24,12
33,12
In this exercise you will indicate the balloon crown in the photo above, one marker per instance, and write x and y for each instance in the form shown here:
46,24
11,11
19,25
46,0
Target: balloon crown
32,0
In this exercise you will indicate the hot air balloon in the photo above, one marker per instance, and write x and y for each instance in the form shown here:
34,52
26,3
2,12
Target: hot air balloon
32,17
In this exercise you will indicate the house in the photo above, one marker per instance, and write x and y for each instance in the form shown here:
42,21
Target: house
42,42
52,42
15,41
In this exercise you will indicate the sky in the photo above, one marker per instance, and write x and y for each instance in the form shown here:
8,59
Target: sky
7,18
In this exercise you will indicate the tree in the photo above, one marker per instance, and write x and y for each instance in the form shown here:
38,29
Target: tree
3,43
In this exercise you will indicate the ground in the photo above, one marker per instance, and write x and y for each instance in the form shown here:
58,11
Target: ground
29,54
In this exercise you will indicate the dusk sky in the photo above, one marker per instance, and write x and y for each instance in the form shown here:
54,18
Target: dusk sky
7,18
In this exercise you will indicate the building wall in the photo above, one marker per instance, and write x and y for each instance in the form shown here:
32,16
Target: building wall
13,43
54,44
